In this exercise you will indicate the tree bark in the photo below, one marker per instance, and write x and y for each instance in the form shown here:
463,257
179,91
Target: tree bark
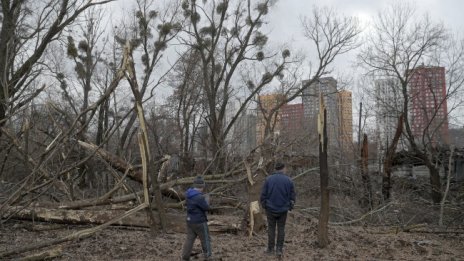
323,238
116,162
448,179
143,138
367,197
79,217
387,164
77,235
254,219
175,222
435,184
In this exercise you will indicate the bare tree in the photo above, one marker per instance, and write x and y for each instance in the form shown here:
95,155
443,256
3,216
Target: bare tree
86,56
451,55
187,100
398,44
28,27
331,36
152,32
226,36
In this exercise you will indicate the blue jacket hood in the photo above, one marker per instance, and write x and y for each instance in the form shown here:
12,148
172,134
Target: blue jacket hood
191,192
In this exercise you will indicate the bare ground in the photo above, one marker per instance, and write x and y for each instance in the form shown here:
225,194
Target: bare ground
347,243
380,236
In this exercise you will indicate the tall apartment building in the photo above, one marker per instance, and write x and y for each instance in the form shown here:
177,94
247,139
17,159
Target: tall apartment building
292,118
294,134
389,105
345,109
428,107
245,133
328,87
266,104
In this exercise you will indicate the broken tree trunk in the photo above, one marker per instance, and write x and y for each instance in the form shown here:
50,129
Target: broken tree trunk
254,216
115,162
367,197
322,236
135,174
143,141
387,164
144,153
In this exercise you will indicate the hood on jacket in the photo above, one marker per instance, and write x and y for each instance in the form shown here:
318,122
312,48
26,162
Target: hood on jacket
191,192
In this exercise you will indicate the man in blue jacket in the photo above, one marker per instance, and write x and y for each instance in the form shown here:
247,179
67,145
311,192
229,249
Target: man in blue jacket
197,226
277,198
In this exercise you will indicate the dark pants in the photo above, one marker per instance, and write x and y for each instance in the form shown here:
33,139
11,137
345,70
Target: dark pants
274,219
194,231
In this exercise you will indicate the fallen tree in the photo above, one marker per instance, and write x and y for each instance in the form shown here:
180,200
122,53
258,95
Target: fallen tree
135,174
175,222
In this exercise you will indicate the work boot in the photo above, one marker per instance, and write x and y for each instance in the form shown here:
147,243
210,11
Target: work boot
279,252
269,251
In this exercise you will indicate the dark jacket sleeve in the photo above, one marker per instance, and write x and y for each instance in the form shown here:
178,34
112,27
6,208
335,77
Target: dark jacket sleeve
263,197
292,192
202,204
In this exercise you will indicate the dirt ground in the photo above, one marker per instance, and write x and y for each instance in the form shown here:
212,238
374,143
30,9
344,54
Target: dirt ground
347,243
383,235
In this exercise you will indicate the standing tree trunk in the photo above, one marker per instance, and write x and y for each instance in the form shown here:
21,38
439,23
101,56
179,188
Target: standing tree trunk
387,164
448,179
435,183
143,139
323,238
367,197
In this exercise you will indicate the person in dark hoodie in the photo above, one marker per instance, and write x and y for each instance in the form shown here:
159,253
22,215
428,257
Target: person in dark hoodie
277,198
197,226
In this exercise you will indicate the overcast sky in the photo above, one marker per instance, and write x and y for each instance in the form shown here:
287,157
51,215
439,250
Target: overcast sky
284,26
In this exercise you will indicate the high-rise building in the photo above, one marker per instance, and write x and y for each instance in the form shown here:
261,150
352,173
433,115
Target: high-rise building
294,133
328,87
292,118
266,104
428,107
345,110
245,133
389,105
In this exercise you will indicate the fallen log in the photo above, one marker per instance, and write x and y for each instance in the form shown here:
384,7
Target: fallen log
166,188
217,201
44,255
115,161
77,235
175,222
75,217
